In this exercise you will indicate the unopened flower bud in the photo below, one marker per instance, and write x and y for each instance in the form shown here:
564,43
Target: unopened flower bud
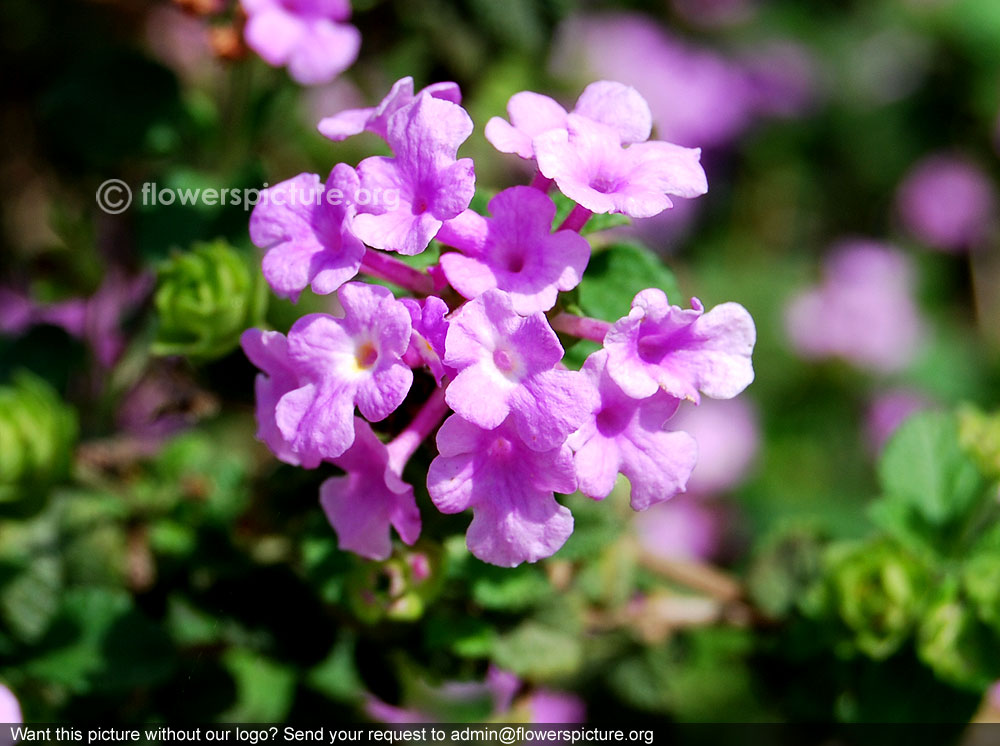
205,298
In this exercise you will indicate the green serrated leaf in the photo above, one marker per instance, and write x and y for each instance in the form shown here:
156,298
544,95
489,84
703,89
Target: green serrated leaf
924,466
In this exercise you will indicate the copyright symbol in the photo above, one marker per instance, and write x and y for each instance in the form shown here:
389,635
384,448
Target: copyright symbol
508,735
114,196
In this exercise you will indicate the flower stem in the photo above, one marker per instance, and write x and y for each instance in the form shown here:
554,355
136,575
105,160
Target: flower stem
581,326
577,218
406,443
541,183
381,265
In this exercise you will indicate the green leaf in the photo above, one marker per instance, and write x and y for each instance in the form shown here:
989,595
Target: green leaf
30,600
924,466
264,688
615,275
100,642
509,590
337,676
538,652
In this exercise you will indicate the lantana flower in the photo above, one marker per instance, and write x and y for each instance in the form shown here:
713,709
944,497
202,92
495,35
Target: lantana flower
372,496
627,435
305,227
307,36
517,252
682,352
531,114
508,486
506,366
590,166
326,366
431,183
375,119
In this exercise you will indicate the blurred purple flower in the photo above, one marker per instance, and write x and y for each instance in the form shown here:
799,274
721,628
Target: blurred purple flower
727,435
547,706
863,312
697,97
685,527
782,78
95,320
10,709
305,35
497,691
947,202
178,40
888,411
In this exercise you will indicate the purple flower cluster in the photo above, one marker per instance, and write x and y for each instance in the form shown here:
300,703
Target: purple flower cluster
518,426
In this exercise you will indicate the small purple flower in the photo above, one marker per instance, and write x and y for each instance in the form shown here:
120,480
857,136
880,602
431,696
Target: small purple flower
618,106
305,228
305,35
506,366
314,378
371,497
948,203
516,252
10,709
269,352
626,435
430,329
863,312
590,166
431,185
376,119
660,346
728,440
509,488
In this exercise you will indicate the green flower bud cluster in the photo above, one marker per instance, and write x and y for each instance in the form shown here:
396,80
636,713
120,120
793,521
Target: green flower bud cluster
400,588
37,433
204,300
878,590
